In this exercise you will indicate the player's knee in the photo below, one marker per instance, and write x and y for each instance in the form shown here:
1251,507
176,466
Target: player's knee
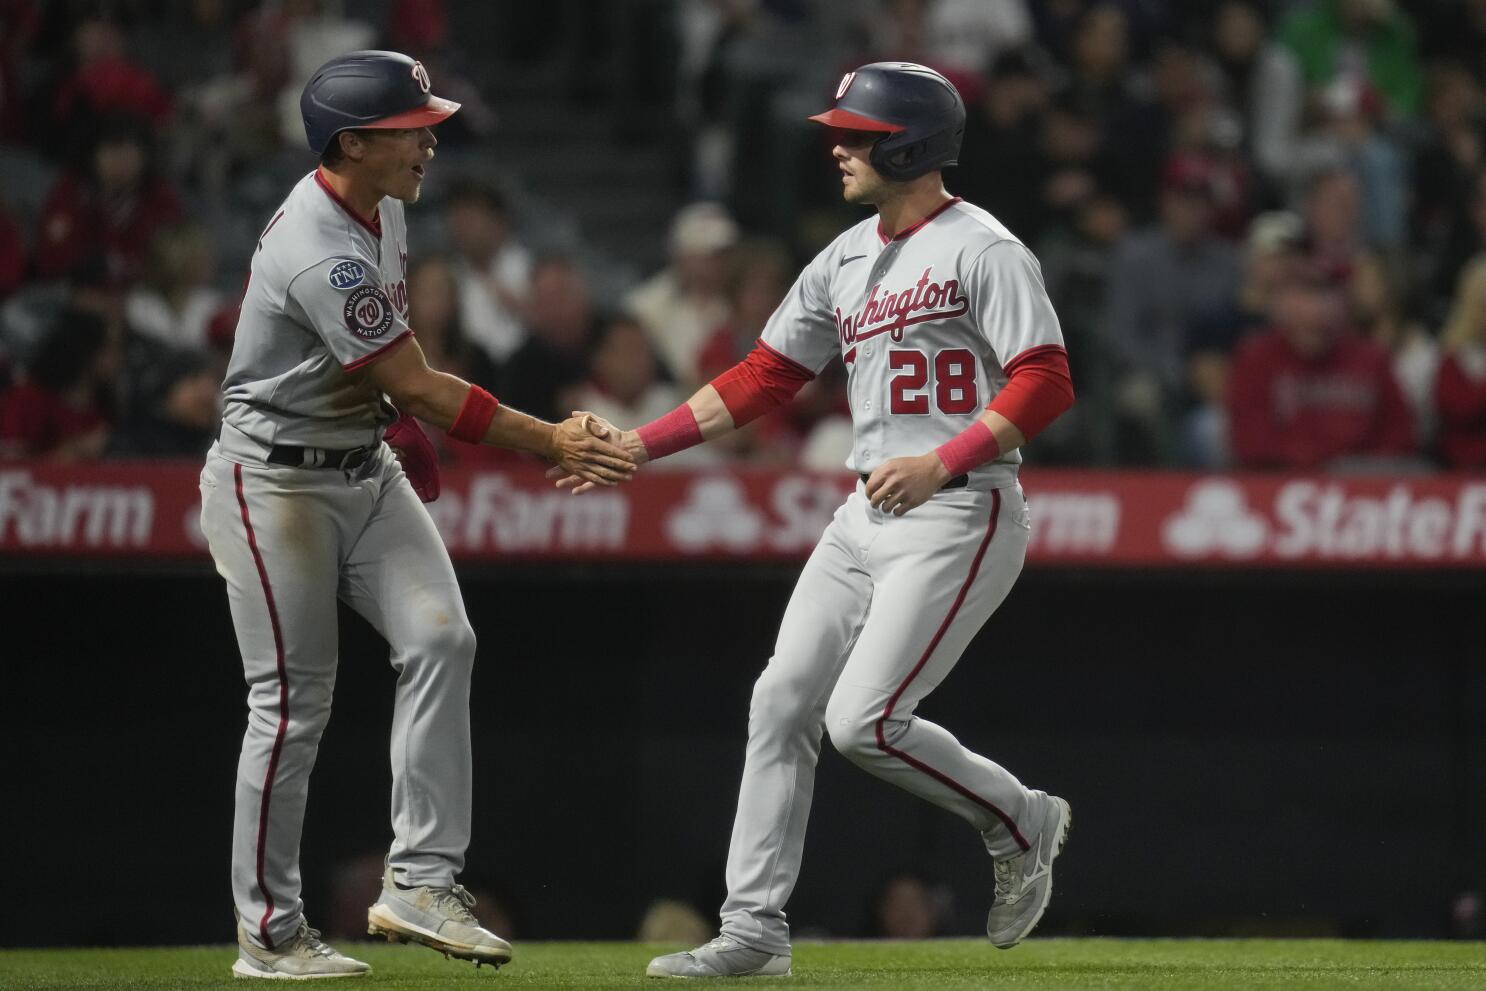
776,703
853,731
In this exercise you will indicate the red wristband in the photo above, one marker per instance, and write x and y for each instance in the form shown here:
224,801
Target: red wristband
474,416
969,449
676,431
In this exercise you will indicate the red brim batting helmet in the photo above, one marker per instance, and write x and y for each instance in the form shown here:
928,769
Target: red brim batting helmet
372,89
919,112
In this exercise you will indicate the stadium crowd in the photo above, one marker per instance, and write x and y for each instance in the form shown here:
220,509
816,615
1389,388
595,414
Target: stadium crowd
1263,224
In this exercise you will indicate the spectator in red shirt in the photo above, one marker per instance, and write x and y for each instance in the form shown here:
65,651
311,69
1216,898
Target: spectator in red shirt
105,81
1311,394
62,408
113,207
12,255
1460,393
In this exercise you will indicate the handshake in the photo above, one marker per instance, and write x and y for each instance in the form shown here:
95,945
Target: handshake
588,450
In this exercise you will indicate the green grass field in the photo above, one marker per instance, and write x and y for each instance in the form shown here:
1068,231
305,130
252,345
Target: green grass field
1147,965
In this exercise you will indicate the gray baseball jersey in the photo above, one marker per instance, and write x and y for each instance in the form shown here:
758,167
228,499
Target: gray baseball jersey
926,323
326,294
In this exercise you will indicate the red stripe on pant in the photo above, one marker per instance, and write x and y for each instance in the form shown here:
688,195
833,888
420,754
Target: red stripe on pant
278,740
892,702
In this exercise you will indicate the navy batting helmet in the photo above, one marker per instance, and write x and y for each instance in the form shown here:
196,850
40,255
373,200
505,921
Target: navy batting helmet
919,111
368,90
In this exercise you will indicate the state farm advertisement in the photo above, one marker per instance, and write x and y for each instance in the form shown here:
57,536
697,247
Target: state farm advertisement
1079,518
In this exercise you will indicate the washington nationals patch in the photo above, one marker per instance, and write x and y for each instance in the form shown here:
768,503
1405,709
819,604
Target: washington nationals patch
368,313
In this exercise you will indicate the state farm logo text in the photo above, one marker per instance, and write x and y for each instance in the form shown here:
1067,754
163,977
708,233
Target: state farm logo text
890,313
1323,520
34,514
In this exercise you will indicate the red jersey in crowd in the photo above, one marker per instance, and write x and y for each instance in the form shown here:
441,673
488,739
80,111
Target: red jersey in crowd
35,422
1287,410
77,221
112,84
1460,397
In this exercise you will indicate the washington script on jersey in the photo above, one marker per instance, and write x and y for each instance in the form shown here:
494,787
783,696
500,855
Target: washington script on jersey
892,312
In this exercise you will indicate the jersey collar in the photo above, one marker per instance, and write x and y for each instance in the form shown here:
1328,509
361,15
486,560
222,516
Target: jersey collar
908,232
374,224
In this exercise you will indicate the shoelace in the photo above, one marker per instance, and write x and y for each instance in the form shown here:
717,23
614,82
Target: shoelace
310,940
1005,878
456,901
718,943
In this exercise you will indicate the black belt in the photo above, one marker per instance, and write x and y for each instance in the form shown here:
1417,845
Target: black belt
319,457
958,482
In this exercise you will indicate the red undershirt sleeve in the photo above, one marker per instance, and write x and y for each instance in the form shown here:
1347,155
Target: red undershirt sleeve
1038,390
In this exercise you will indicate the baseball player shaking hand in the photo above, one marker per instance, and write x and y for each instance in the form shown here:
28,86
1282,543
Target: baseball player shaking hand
955,359
304,503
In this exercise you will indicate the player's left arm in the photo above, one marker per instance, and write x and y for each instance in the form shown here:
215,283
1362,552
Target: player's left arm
1016,318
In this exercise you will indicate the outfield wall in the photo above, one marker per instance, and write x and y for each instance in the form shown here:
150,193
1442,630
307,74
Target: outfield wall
1254,751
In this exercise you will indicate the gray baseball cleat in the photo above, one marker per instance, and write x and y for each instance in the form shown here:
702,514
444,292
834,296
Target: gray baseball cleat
1024,883
305,957
439,918
723,957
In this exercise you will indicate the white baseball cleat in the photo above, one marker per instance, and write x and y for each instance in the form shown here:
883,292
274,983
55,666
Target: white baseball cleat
723,957
1024,883
305,957
439,918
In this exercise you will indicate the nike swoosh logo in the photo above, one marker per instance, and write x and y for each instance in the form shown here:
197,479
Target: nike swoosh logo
850,258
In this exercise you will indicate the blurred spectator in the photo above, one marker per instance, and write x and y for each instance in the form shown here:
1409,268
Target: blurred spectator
1309,393
104,82
12,255
174,303
1002,167
757,279
1264,84
554,358
18,23
966,36
112,206
682,304
1073,168
1377,310
1467,237
433,313
492,269
1348,137
1076,261
312,32
63,407
1450,154
174,403
622,385
1333,222
1161,278
1462,377
907,908
1371,40
1271,251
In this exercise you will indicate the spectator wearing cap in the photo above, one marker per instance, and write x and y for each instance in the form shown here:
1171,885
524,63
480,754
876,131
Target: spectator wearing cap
1270,251
1162,277
1309,393
1461,391
681,305
1373,39
174,302
111,206
492,269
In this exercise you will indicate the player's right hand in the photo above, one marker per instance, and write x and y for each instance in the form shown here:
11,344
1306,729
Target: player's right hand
602,428
579,451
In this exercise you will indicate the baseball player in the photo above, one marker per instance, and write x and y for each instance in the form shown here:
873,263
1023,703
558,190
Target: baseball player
304,503
955,359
